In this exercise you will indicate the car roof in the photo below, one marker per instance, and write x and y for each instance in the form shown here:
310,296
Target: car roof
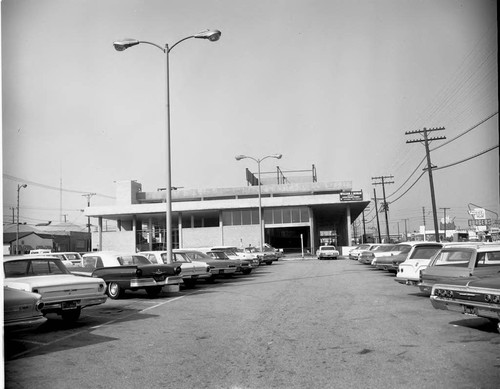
32,256
111,253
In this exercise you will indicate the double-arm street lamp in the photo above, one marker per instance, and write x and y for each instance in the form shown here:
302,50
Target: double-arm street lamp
259,160
17,224
211,35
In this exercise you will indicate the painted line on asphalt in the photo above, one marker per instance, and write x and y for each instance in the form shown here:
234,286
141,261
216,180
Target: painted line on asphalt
90,328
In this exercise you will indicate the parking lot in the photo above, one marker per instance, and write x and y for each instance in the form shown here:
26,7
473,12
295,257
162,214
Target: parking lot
295,324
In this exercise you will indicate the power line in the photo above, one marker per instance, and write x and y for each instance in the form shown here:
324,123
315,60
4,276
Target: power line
9,177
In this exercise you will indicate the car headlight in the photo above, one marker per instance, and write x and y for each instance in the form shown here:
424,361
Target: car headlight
178,270
138,272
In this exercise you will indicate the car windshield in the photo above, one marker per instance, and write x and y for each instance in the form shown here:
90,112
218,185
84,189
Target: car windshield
385,248
133,260
402,248
218,254
197,256
454,257
181,257
34,267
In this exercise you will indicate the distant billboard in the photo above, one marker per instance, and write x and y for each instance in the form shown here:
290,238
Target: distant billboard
355,195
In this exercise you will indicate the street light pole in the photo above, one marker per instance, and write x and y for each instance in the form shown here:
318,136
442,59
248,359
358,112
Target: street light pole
240,157
17,224
211,35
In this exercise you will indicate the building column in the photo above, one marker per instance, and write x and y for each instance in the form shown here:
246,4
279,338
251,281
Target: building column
179,226
150,234
221,228
348,224
99,232
312,229
134,230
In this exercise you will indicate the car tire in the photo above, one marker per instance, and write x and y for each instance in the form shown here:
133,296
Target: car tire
246,271
153,291
72,315
269,262
114,291
189,283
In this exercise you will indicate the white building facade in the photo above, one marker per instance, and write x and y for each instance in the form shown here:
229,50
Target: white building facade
295,216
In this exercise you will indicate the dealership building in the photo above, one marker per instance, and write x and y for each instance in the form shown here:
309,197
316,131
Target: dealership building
295,216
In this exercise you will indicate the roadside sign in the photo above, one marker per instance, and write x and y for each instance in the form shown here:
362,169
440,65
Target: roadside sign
479,222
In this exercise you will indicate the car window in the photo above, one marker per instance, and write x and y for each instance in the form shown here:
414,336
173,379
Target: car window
488,259
133,260
151,257
327,248
73,257
34,267
424,252
92,262
454,257
178,257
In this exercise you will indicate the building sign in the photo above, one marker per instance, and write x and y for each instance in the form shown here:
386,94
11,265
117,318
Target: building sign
355,195
478,213
479,222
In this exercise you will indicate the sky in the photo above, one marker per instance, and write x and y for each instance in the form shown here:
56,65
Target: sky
330,83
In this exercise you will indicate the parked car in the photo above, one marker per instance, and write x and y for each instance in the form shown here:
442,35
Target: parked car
460,261
130,271
21,307
242,266
217,266
327,252
277,252
367,256
479,297
356,251
233,253
191,271
418,259
68,258
267,257
62,293
391,261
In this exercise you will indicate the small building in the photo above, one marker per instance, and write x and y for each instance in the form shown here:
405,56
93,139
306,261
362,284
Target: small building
56,237
294,215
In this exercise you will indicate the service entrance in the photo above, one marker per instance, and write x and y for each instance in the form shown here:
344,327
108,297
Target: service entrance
289,238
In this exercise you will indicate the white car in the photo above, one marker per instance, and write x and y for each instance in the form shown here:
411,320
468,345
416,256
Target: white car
356,251
327,252
191,271
418,259
62,293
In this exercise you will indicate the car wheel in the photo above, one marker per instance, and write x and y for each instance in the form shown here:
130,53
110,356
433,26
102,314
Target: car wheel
190,283
210,280
269,262
246,271
72,315
153,291
115,291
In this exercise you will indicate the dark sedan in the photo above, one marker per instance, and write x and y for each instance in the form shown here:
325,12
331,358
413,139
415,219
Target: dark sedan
477,298
122,271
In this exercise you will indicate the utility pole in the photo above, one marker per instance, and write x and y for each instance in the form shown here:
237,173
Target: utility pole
88,196
426,141
406,229
376,213
444,209
364,228
385,205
